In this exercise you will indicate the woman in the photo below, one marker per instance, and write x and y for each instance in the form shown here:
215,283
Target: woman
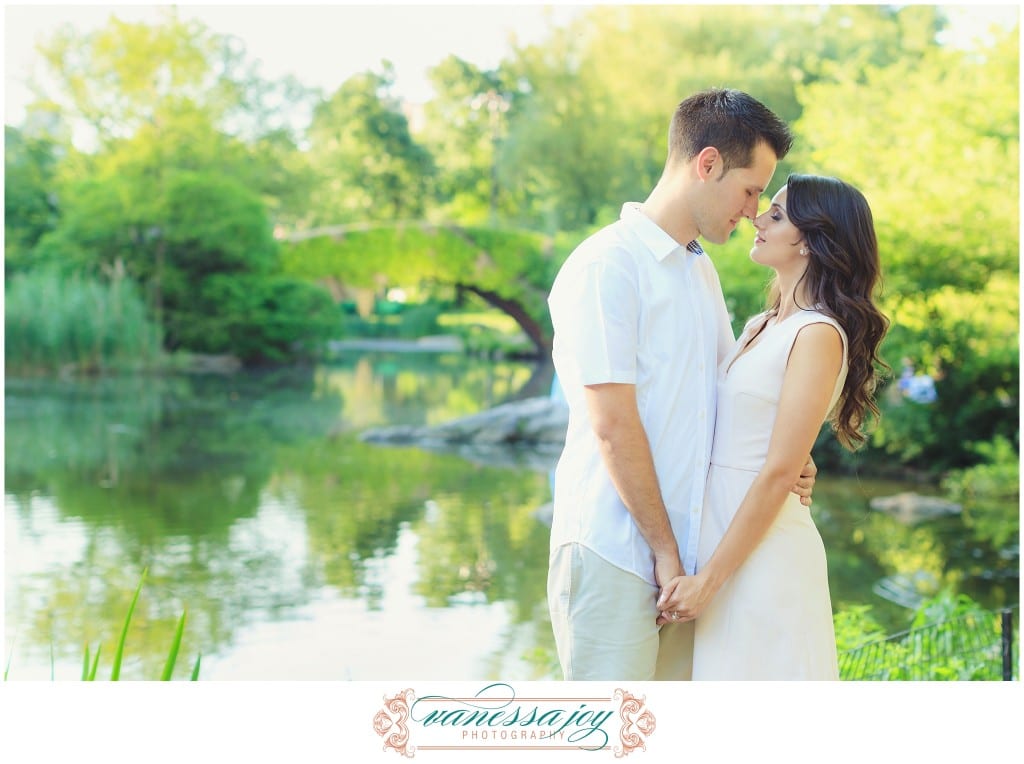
760,594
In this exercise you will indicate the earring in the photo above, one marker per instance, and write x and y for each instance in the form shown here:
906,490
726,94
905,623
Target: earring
803,252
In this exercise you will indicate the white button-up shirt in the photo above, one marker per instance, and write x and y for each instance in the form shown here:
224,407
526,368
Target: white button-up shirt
631,305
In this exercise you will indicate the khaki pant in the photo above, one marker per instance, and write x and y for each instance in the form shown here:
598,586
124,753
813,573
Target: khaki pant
604,618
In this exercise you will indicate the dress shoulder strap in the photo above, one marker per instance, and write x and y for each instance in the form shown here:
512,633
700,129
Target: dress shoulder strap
806,318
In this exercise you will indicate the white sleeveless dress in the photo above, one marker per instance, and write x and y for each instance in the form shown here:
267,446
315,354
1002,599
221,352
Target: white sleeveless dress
773,618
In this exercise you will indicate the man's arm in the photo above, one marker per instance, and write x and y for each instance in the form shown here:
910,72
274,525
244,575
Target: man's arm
626,451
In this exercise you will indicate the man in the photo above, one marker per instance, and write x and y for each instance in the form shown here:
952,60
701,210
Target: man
640,327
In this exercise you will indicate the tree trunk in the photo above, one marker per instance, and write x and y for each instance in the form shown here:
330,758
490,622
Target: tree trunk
526,322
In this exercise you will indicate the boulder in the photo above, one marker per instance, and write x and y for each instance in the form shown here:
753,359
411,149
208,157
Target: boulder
530,422
529,433
912,508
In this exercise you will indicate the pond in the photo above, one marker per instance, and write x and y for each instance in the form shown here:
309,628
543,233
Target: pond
299,552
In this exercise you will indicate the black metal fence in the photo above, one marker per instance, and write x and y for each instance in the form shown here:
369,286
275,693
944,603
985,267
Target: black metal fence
977,646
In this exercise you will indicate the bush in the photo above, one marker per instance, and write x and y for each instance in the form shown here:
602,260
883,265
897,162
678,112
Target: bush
990,491
260,319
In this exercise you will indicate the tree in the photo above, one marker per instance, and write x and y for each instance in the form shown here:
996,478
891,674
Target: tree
118,78
192,150
589,122
940,173
30,204
464,127
370,166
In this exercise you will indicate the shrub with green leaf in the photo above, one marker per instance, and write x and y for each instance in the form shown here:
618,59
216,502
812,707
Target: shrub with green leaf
990,491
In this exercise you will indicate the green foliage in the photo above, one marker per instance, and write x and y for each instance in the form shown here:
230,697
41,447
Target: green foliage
968,342
402,322
848,41
990,491
855,626
509,267
30,209
941,174
214,225
464,125
124,76
370,166
188,161
951,638
261,319
581,96
54,321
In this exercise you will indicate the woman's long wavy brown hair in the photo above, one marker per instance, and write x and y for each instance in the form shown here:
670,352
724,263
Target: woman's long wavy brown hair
843,272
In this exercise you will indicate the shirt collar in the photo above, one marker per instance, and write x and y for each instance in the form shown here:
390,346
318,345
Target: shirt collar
652,235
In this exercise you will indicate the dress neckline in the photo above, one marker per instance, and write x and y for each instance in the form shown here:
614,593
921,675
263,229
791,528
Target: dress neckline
762,329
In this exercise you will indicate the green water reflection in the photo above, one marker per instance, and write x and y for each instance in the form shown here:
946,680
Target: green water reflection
300,552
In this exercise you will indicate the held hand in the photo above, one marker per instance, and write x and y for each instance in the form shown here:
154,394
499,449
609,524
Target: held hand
667,567
683,599
804,486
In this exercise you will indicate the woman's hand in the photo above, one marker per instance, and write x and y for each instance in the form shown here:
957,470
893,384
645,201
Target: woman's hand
684,598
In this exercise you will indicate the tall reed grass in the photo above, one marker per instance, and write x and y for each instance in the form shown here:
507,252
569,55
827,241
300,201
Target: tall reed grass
91,661
56,321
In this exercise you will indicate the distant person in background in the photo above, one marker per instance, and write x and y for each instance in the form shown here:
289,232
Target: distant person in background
919,388
640,328
760,595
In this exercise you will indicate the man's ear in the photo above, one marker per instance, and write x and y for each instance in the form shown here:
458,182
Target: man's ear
706,161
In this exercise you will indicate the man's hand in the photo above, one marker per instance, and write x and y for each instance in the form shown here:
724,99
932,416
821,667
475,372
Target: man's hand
804,486
666,567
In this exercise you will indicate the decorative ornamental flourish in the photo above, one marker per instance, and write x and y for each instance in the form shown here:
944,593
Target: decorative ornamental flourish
637,723
389,723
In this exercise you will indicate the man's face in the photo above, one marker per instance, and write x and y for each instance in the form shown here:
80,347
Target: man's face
729,198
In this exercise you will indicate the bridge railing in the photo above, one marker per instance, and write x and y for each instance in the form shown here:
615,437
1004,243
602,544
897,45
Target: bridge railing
977,646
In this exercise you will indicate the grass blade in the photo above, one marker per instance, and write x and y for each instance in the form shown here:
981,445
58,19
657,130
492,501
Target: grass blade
195,671
95,664
172,658
85,663
115,673
10,655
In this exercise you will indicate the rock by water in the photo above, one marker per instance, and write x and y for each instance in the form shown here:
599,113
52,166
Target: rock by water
912,508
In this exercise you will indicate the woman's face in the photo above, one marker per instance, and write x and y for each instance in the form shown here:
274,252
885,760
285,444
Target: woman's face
778,242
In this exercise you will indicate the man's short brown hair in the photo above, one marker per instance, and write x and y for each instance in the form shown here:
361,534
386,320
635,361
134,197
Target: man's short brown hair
731,121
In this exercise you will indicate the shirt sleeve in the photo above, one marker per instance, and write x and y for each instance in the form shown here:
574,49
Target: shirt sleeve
596,313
